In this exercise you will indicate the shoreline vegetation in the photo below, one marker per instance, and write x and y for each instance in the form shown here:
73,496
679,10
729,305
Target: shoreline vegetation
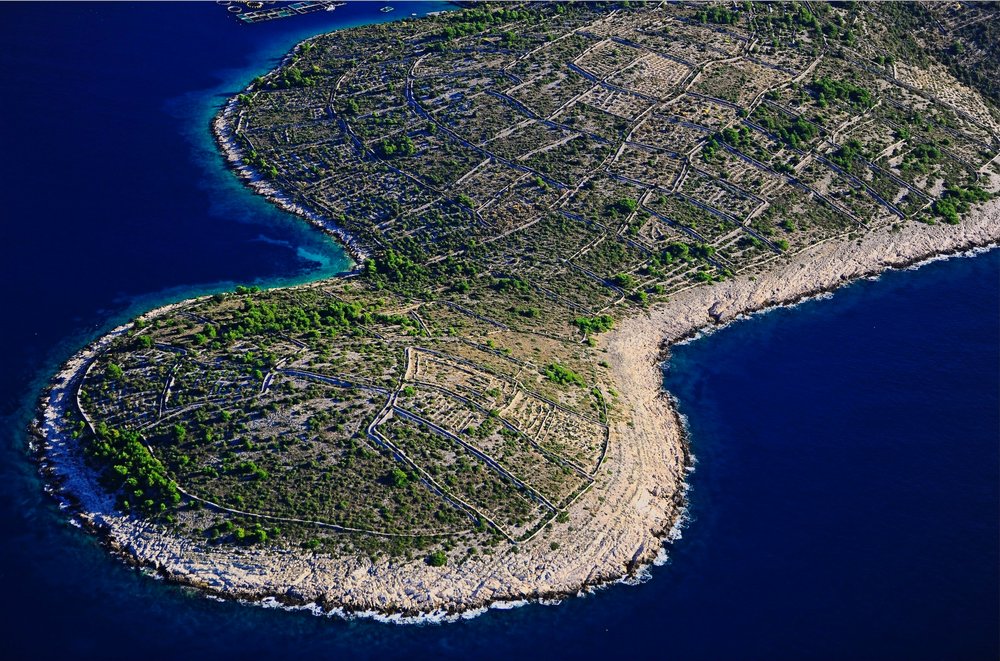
437,375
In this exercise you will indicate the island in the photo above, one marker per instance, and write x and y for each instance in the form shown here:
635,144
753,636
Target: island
540,199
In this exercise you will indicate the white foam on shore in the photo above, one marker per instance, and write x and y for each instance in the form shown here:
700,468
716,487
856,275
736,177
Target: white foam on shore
432,618
971,252
676,531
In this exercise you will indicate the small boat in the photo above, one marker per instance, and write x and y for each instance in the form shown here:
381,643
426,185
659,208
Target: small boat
386,9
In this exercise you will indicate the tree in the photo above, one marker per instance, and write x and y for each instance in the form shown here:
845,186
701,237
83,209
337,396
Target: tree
395,147
399,478
624,280
563,375
598,324
623,206
437,559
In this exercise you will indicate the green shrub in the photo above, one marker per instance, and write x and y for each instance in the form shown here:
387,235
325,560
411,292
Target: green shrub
395,147
563,375
598,324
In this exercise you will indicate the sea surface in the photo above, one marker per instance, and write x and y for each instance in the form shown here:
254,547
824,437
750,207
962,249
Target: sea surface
845,497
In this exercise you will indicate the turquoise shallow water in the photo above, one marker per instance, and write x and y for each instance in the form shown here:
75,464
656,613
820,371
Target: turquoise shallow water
845,499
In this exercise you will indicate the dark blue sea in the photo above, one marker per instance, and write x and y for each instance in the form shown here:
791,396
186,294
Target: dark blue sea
845,499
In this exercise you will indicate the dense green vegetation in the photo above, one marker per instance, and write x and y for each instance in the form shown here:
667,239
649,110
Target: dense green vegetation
828,89
846,153
475,21
128,468
258,318
563,375
598,324
395,268
718,14
957,201
396,147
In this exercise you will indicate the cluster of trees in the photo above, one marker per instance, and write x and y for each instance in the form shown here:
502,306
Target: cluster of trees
622,207
254,159
510,39
734,137
350,106
598,324
792,132
921,157
486,429
511,284
956,201
256,534
563,375
624,280
798,15
252,470
398,477
685,252
292,77
526,311
395,267
844,157
719,15
127,466
826,89
332,316
258,318
475,21
289,77
395,146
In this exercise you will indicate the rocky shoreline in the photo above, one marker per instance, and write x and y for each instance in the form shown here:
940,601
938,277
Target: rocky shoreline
612,538
223,134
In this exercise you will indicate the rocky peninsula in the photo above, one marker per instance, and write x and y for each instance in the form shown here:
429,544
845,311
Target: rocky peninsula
541,201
